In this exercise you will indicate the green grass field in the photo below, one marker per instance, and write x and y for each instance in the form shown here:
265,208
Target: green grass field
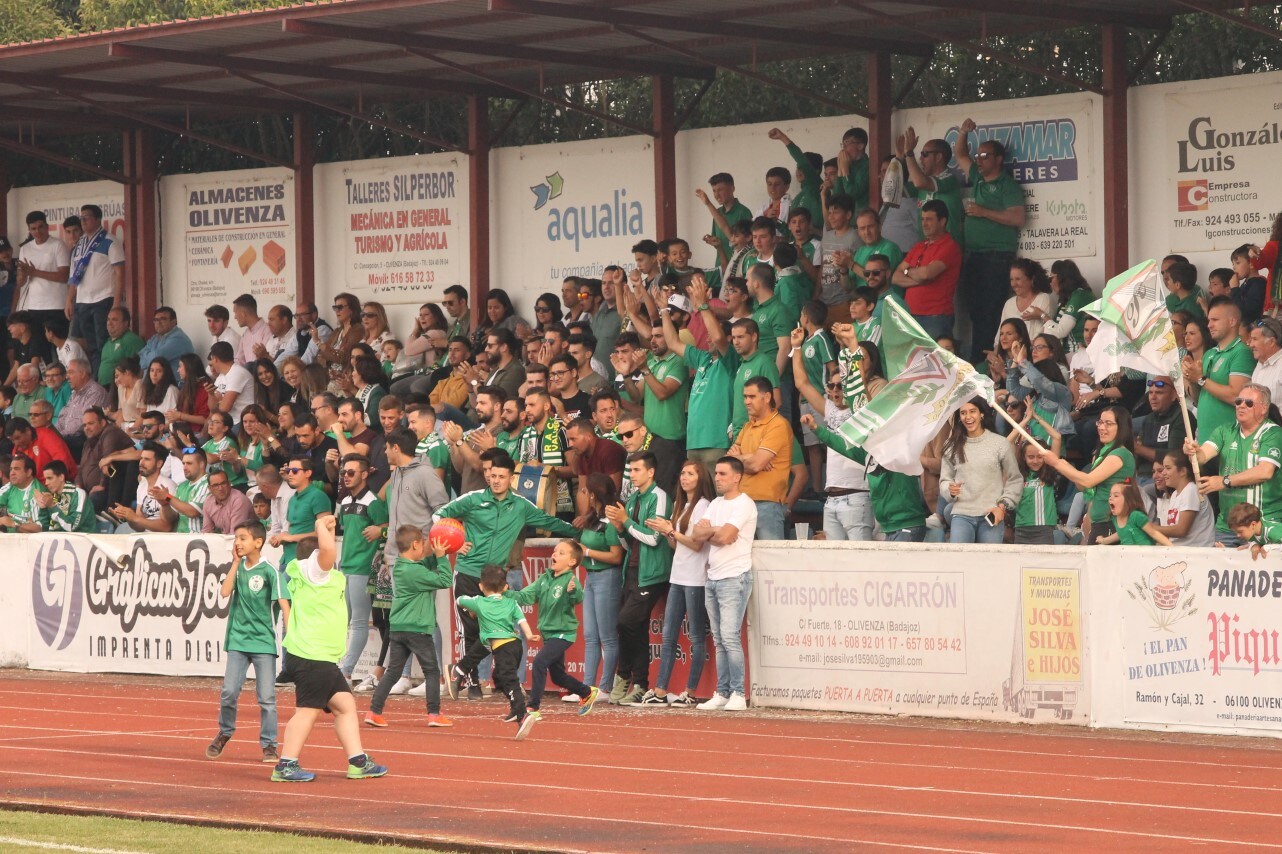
30,831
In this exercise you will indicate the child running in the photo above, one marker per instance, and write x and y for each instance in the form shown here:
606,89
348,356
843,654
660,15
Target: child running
416,577
497,615
314,643
253,586
556,592
1134,527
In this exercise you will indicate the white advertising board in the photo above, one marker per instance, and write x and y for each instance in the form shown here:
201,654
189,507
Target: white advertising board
1188,639
60,201
392,230
569,209
988,633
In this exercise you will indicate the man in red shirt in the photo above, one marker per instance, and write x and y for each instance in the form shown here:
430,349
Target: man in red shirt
38,441
928,274
592,455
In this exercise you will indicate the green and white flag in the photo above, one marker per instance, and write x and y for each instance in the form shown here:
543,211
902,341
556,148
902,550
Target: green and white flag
925,385
1135,330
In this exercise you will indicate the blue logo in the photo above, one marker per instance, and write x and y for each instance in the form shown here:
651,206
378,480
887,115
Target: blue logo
549,189
56,599
1037,152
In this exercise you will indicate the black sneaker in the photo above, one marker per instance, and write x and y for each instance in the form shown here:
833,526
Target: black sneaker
512,717
475,693
215,748
454,685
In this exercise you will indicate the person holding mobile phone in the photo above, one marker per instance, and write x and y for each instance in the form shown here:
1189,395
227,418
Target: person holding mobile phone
979,476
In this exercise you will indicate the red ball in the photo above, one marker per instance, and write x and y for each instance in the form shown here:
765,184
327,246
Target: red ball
451,531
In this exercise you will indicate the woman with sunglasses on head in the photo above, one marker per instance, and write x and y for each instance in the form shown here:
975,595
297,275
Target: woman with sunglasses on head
1113,463
337,348
1038,379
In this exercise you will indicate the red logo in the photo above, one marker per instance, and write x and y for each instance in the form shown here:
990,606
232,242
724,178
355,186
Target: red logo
1192,196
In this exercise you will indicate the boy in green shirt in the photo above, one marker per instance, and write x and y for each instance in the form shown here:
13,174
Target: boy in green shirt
67,506
416,577
556,592
314,642
253,587
1248,523
497,615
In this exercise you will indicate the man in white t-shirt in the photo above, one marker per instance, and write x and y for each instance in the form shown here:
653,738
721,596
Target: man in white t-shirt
43,267
728,526
97,280
233,385
151,515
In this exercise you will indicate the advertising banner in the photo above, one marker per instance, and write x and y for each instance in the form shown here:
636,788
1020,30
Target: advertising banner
1221,149
127,604
535,561
1197,641
1050,150
580,207
237,235
394,230
996,635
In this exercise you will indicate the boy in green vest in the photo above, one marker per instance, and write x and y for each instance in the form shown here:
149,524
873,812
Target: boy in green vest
557,592
253,586
497,615
416,577
314,643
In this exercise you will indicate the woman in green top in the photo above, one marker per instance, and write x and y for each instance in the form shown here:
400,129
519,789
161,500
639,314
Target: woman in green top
222,450
1113,463
1073,292
254,427
603,588
1134,527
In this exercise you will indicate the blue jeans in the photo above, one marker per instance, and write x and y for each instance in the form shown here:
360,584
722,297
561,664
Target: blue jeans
1228,538
89,321
975,529
688,602
908,535
770,518
935,325
265,685
601,596
358,608
848,517
727,602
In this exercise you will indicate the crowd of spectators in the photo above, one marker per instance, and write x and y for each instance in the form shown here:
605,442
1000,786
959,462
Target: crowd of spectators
758,357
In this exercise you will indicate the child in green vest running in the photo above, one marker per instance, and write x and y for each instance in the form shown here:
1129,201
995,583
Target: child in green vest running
1133,527
497,615
1036,516
1248,523
416,577
314,643
557,592
253,586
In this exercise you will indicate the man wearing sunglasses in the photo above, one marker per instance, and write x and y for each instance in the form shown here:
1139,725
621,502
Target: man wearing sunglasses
224,507
1164,428
363,516
930,178
1250,452
308,503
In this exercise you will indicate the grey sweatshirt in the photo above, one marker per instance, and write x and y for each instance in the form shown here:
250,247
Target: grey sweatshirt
989,474
414,493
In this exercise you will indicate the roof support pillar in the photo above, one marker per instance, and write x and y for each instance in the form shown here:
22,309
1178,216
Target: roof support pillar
142,285
478,207
304,209
663,105
881,104
5,185
1117,218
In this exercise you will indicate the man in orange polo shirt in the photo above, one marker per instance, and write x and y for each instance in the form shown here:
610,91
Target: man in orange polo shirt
764,447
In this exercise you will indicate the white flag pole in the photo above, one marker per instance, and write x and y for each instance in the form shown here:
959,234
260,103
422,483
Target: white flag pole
1019,428
1188,427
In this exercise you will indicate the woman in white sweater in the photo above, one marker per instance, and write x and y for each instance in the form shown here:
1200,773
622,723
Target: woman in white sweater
979,476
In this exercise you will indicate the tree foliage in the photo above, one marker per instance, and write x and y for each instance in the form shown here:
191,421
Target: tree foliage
1196,46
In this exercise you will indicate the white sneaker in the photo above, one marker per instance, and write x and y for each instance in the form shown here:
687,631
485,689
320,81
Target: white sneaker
935,522
402,686
736,703
717,703
570,698
420,691
369,683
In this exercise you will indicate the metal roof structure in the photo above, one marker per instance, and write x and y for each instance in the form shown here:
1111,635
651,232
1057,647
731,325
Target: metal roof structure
343,55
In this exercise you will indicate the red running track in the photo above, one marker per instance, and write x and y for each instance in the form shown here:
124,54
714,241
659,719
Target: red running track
642,779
